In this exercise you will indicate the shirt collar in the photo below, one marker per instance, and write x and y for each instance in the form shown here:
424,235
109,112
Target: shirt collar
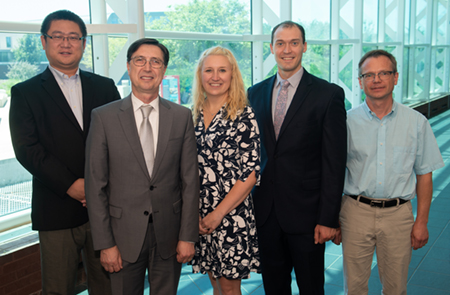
62,75
372,115
294,80
137,103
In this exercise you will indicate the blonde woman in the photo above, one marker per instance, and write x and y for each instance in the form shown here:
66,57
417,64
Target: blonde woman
228,147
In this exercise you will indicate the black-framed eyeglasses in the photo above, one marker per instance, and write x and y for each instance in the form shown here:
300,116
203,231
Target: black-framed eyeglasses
141,61
383,75
73,39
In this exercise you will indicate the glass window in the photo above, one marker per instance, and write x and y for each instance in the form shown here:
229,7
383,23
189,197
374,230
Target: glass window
32,11
8,42
439,58
407,22
314,16
441,30
316,61
421,21
391,21
346,21
346,73
370,21
213,16
86,63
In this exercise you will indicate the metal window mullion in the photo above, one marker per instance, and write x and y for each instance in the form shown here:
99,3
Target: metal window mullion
412,48
334,52
357,53
428,51
447,51
285,10
398,90
100,58
381,21
257,46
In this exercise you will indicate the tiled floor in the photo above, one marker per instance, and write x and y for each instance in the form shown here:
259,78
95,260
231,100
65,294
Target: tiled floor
429,272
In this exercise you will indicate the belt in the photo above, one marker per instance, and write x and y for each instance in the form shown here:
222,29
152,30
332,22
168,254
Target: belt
379,203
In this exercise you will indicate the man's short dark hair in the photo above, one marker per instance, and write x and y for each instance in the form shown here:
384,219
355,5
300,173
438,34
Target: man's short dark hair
377,53
288,24
63,15
148,41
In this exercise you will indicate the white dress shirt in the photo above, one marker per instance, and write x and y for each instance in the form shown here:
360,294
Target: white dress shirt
154,116
71,88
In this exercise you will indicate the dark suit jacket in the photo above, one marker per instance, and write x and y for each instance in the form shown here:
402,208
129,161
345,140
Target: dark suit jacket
119,190
50,144
302,174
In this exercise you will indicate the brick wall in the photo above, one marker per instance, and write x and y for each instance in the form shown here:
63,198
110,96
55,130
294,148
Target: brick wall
20,273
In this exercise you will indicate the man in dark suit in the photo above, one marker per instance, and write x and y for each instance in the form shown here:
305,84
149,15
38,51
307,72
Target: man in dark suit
49,121
142,183
302,122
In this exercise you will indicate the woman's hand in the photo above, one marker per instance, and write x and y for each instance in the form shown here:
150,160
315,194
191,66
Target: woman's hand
201,230
210,222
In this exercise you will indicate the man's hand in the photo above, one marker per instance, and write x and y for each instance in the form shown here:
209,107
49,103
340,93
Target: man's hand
76,191
323,233
419,235
338,238
111,259
185,251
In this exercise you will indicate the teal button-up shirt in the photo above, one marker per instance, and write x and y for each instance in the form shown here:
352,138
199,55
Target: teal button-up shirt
384,156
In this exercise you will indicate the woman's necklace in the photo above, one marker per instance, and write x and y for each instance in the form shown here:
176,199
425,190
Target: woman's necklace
208,109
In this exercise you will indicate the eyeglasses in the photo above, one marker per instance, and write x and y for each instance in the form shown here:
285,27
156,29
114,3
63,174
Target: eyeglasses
72,39
384,75
141,61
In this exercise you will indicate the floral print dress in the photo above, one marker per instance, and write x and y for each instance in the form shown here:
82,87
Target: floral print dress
227,151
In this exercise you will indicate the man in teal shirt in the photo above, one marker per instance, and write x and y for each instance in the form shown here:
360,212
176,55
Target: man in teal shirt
392,152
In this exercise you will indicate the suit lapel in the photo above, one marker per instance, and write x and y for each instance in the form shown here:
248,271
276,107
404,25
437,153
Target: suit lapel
128,122
51,86
87,88
165,127
299,97
267,111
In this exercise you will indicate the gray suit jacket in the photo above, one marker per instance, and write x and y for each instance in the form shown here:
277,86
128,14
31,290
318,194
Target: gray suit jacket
119,190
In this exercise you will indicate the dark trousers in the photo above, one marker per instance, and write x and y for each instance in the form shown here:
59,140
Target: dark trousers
60,256
163,274
281,252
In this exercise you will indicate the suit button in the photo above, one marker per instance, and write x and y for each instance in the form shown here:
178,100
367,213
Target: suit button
152,187
146,213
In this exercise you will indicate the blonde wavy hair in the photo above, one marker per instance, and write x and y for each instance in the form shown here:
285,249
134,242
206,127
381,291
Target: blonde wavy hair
237,99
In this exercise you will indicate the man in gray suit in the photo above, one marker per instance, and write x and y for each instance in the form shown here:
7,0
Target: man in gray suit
142,183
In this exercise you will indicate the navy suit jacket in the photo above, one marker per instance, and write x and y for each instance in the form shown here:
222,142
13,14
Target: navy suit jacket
50,144
302,173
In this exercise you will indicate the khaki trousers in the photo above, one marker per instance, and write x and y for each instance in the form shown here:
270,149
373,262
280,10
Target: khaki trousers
386,230
60,256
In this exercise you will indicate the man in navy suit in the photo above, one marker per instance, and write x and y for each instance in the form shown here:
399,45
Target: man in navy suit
302,121
49,119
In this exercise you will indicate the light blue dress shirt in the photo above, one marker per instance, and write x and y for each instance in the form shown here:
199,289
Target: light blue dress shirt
71,88
384,156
